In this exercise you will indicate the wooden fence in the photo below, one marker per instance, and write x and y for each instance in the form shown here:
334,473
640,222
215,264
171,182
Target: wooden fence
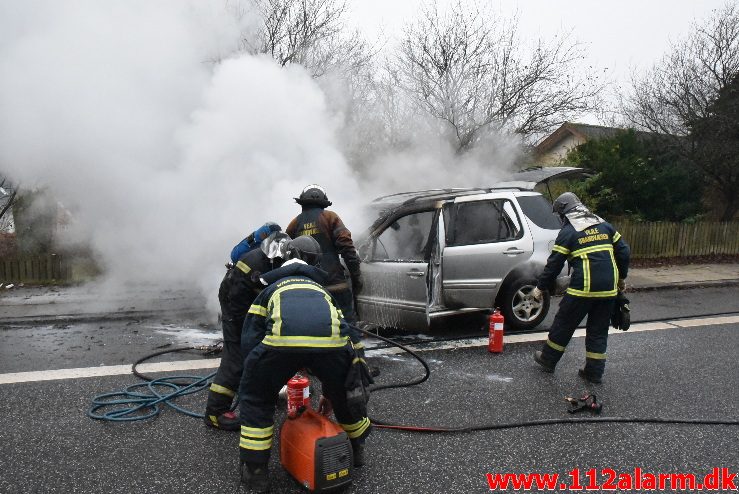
647,240
657,239
38,269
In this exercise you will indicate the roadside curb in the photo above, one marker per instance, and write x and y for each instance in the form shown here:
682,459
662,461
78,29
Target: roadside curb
682,286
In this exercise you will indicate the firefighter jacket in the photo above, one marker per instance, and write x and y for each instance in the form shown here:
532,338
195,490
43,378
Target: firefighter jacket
597,255
295,312
241,284
334,238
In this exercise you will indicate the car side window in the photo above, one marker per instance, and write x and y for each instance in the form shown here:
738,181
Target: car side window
479,222
406,239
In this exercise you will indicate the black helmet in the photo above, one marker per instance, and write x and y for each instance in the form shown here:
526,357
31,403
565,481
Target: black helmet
305,248
566,203
313,195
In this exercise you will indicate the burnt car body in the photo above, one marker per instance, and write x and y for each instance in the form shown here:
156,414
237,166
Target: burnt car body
439,253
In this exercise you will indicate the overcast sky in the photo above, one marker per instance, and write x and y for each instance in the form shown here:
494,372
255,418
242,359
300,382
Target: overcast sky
618,36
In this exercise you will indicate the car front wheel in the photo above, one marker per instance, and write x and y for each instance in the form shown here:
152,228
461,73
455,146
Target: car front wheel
520,309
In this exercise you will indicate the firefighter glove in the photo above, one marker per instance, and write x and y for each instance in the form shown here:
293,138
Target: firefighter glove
357,283
621,284
324,406
357,384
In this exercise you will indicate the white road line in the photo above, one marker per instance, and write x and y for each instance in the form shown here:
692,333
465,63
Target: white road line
691,323
184,365
108,370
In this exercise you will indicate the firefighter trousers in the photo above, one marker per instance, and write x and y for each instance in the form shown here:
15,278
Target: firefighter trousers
572,310
267,369
226,381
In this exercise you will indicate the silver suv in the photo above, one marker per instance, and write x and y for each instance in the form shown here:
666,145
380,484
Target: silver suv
437,253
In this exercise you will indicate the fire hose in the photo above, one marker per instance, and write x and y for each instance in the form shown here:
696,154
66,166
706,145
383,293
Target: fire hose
512,425
144,400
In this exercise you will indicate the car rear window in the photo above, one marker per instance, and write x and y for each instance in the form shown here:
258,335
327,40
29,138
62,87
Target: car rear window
539,210
479,222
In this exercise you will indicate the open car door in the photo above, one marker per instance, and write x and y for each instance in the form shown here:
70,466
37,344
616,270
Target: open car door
395,272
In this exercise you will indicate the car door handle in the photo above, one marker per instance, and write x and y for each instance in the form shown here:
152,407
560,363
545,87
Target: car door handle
513,252
415,274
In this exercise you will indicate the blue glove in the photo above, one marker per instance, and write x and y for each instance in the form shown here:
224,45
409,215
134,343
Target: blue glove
264,231
252,241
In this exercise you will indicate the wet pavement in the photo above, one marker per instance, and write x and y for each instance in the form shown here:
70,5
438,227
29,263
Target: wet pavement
41,344
51,446
684,368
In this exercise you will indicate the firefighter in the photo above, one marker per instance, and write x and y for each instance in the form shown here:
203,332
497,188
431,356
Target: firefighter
599,258
239,288
295,324
335,240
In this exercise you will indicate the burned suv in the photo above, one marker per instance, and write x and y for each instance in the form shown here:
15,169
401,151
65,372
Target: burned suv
437,253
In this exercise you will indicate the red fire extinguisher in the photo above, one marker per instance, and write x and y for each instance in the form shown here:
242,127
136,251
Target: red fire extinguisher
495,341
298,394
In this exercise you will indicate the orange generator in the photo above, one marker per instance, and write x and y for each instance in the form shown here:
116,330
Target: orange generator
316,452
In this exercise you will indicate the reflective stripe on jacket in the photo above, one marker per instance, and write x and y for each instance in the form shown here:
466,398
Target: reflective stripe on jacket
598,257
295,312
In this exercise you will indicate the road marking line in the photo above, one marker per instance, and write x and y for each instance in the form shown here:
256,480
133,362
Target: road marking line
542,336
691,323
107,370
183,365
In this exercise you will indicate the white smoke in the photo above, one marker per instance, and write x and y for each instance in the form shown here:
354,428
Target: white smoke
168,147
167,158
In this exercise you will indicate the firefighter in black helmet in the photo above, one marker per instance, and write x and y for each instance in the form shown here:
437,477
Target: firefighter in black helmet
239,288
335,240
599,258
294,324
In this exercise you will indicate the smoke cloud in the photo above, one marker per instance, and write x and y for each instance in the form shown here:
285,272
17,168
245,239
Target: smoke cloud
168,147
166,158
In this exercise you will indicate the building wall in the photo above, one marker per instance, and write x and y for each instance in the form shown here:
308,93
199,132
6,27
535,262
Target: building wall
558,152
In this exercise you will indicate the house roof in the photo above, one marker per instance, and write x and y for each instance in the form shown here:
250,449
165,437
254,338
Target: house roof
583,131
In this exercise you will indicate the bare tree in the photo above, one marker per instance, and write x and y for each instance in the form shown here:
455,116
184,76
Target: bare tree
468,69
7,198
682,88
311,33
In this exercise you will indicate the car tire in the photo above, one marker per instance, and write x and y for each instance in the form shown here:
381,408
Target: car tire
520,310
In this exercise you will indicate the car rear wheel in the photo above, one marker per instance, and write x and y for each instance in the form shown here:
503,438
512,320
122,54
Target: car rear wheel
520,309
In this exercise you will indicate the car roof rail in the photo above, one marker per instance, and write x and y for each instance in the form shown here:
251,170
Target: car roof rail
415,194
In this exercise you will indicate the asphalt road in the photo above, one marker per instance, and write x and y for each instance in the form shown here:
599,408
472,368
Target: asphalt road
50,445
132,330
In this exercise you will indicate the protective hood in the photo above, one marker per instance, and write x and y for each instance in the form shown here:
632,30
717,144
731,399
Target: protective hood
275,245
581,218
295,269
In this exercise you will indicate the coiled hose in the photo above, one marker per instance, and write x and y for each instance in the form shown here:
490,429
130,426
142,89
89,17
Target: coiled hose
144,400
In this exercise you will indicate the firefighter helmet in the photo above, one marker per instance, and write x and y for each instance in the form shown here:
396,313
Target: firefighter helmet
566,203
305,248
313,195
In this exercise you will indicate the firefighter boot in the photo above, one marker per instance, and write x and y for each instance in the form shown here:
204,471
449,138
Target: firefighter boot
593,370
228,421
589,376
254,477
545,364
